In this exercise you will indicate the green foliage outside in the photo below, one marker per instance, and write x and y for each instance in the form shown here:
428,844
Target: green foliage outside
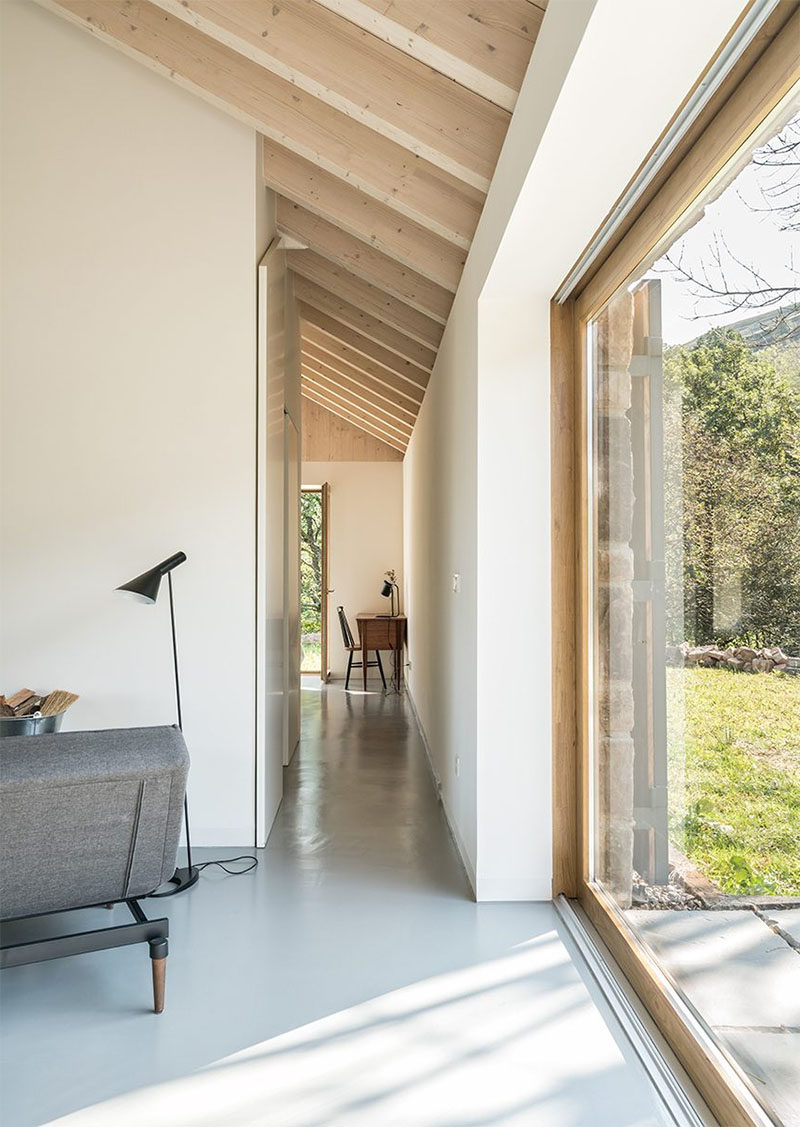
310,580
734,777
310,563
732,493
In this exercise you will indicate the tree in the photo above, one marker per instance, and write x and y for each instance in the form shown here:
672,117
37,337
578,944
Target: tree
311,562
720,278
739,434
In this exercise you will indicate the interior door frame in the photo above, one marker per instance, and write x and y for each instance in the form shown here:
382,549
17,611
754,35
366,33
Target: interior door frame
291,626
325,591
764,81
324,655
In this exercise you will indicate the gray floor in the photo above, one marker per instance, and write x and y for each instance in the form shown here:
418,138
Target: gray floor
744,980
351,972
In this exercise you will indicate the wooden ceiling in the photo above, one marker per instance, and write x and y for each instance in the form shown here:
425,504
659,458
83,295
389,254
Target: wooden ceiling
382,122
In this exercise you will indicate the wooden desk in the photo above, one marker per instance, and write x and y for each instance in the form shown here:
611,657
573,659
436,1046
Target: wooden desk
376,632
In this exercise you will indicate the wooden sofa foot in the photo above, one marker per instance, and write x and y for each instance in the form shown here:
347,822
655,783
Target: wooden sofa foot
158,961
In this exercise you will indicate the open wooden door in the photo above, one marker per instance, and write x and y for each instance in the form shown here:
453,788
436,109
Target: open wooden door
324,663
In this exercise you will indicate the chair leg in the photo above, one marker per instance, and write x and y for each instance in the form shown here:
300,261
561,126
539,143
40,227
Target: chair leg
158,962
349,668
380,666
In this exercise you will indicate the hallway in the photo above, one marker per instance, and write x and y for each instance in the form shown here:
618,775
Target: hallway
428,1009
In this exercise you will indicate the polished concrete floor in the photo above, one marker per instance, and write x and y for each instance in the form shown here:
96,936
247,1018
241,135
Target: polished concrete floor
349,980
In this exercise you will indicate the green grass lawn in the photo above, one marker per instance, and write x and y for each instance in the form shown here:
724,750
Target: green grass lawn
734,775
311,658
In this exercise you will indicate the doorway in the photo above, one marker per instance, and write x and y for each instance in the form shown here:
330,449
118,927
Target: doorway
314,506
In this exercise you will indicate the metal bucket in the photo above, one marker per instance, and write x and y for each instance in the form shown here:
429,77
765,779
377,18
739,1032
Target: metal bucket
30,725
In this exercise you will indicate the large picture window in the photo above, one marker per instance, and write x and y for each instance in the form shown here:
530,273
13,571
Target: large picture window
686,418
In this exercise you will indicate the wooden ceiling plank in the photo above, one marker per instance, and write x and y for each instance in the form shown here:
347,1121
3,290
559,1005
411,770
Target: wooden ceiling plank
350,417
356,401
361,76
343,148
320,300
332,364
326,346
327,438
363,260
484,45
334,401
368,298
355,390
329,328
377,224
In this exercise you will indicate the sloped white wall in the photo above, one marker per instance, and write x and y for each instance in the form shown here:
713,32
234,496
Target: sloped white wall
133,219
604,79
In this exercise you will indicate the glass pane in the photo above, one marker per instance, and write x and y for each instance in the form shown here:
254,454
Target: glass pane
311,580
695,393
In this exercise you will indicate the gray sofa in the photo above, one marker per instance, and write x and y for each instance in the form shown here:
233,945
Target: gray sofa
89,818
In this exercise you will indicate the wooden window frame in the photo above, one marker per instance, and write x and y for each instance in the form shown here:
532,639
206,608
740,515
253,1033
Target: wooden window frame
760,84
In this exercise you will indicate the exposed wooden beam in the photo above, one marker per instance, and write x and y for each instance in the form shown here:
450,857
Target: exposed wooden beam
363,260
367,419
361,76
363,296
351,417
320,300
330,328
404,193
375,223
357,391
484,45
341,147
370,383
355,400
320,344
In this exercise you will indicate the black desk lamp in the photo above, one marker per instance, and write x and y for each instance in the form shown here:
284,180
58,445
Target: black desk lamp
144,588
389,588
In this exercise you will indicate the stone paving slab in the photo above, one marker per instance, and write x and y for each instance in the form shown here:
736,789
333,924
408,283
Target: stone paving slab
733,968
789,920
771,1062
744,980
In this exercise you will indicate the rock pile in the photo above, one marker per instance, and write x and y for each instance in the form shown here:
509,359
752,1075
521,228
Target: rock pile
741,659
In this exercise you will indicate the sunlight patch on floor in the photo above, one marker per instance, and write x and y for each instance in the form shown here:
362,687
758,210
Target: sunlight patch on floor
514,1040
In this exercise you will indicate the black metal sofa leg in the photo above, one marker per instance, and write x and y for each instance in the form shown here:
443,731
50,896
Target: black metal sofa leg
159,949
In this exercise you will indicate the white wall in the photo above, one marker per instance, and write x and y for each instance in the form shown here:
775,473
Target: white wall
133,219
604,79
365,539
271,597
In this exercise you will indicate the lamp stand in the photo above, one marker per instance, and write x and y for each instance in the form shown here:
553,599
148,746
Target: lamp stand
187,875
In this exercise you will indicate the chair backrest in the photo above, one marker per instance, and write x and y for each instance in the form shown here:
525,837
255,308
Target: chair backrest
88,817
347,633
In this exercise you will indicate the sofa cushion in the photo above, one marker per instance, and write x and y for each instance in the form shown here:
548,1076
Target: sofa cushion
88,817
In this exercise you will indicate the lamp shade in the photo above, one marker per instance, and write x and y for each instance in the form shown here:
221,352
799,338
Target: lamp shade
386,591
145,587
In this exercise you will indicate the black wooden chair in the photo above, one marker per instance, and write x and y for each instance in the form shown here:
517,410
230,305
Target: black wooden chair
352,647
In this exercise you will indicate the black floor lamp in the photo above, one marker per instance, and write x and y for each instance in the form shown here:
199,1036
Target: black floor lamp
145,589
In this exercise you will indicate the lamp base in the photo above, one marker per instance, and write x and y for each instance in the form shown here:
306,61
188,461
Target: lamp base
182,879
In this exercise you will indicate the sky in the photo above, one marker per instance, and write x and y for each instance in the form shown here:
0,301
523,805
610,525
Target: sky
751,236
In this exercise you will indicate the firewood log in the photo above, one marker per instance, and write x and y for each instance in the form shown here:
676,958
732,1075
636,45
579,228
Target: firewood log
57,701
18,698
28,707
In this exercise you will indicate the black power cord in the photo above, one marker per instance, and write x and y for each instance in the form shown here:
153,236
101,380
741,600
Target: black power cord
231,861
